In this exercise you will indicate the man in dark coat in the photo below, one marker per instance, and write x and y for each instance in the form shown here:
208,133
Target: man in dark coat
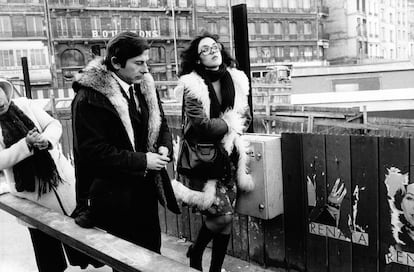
121,145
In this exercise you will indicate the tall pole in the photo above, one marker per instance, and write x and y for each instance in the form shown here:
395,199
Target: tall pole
26,78
175,37
51,48
241,47
230,29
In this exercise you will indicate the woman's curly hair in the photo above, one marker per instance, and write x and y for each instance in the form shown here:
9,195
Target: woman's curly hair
190,57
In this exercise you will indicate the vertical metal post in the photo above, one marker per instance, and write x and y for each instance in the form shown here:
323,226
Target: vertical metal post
50,46
175,37
241,47
26,78
230,29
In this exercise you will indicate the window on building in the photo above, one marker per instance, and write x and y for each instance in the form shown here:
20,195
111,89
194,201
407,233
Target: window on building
391,36
292,4
62,27
307,28
165,26
20,53
212,27
96,23
278,28
180,3
357,4
135,23
145,24
264,28
19,26
201,3
306,4
211,4
277,4
72,58
6,59
294,52
252,28
157,55
391,53
279,52
253,53
308,52
125,24
153,3
116,23
224,27
183,27
252,3
293,28
264,4
37,57
222,3
34,25
391,18
134,3
265,52
76,28
5,26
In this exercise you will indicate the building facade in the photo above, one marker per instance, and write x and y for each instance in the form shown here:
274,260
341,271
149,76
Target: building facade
280,31
411,28
364,31
81,29
22,34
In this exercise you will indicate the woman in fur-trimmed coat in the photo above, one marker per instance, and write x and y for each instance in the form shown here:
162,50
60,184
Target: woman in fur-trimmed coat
216,111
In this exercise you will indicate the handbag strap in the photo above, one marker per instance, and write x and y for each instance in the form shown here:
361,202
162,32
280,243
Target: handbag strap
182,118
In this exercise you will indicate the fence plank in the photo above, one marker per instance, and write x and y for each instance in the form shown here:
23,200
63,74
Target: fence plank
240,237
256,240
184,223
162,217
274,242
393,152
411,174
314,166
338,165
364,165
294,201
196,221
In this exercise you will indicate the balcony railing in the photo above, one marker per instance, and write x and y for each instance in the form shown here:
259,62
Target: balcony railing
323,36
22,34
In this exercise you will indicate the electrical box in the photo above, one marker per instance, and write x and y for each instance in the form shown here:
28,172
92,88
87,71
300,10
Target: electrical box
266,200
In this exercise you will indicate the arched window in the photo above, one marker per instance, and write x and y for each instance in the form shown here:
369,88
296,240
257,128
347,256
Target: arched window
72,58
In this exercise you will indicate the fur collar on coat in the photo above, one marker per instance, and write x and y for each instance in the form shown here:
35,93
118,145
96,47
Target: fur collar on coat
235,119
96,76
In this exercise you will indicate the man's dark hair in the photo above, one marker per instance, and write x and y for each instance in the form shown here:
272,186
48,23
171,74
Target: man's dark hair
190,57
124,46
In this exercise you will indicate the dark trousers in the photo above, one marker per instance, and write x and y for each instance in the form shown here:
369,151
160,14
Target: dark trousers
48,252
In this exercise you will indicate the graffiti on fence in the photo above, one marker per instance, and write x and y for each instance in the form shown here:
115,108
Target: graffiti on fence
326,221
401,202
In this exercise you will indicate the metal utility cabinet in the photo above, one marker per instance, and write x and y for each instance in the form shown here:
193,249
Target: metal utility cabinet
266,200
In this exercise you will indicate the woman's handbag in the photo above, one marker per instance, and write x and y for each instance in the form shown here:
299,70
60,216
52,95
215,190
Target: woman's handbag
205,160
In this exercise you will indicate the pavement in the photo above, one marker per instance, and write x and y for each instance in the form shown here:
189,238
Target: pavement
16,251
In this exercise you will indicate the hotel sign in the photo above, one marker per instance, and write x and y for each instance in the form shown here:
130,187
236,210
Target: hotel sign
112,33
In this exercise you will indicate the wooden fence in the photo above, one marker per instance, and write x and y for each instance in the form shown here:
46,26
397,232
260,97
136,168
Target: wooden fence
362,235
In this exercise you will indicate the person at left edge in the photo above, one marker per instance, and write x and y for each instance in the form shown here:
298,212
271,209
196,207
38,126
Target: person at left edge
122,144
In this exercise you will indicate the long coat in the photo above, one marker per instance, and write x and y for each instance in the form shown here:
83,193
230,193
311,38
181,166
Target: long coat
226,130
110,157
51,130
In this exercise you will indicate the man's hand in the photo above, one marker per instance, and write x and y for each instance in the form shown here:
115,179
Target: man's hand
162,150
156,161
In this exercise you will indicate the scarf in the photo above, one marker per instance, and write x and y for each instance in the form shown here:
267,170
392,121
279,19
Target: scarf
227,89
15,125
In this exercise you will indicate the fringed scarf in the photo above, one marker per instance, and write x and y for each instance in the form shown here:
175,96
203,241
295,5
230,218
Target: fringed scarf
15,125
227,89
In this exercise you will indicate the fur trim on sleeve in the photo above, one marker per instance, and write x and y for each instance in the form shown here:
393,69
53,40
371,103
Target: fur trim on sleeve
203,200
